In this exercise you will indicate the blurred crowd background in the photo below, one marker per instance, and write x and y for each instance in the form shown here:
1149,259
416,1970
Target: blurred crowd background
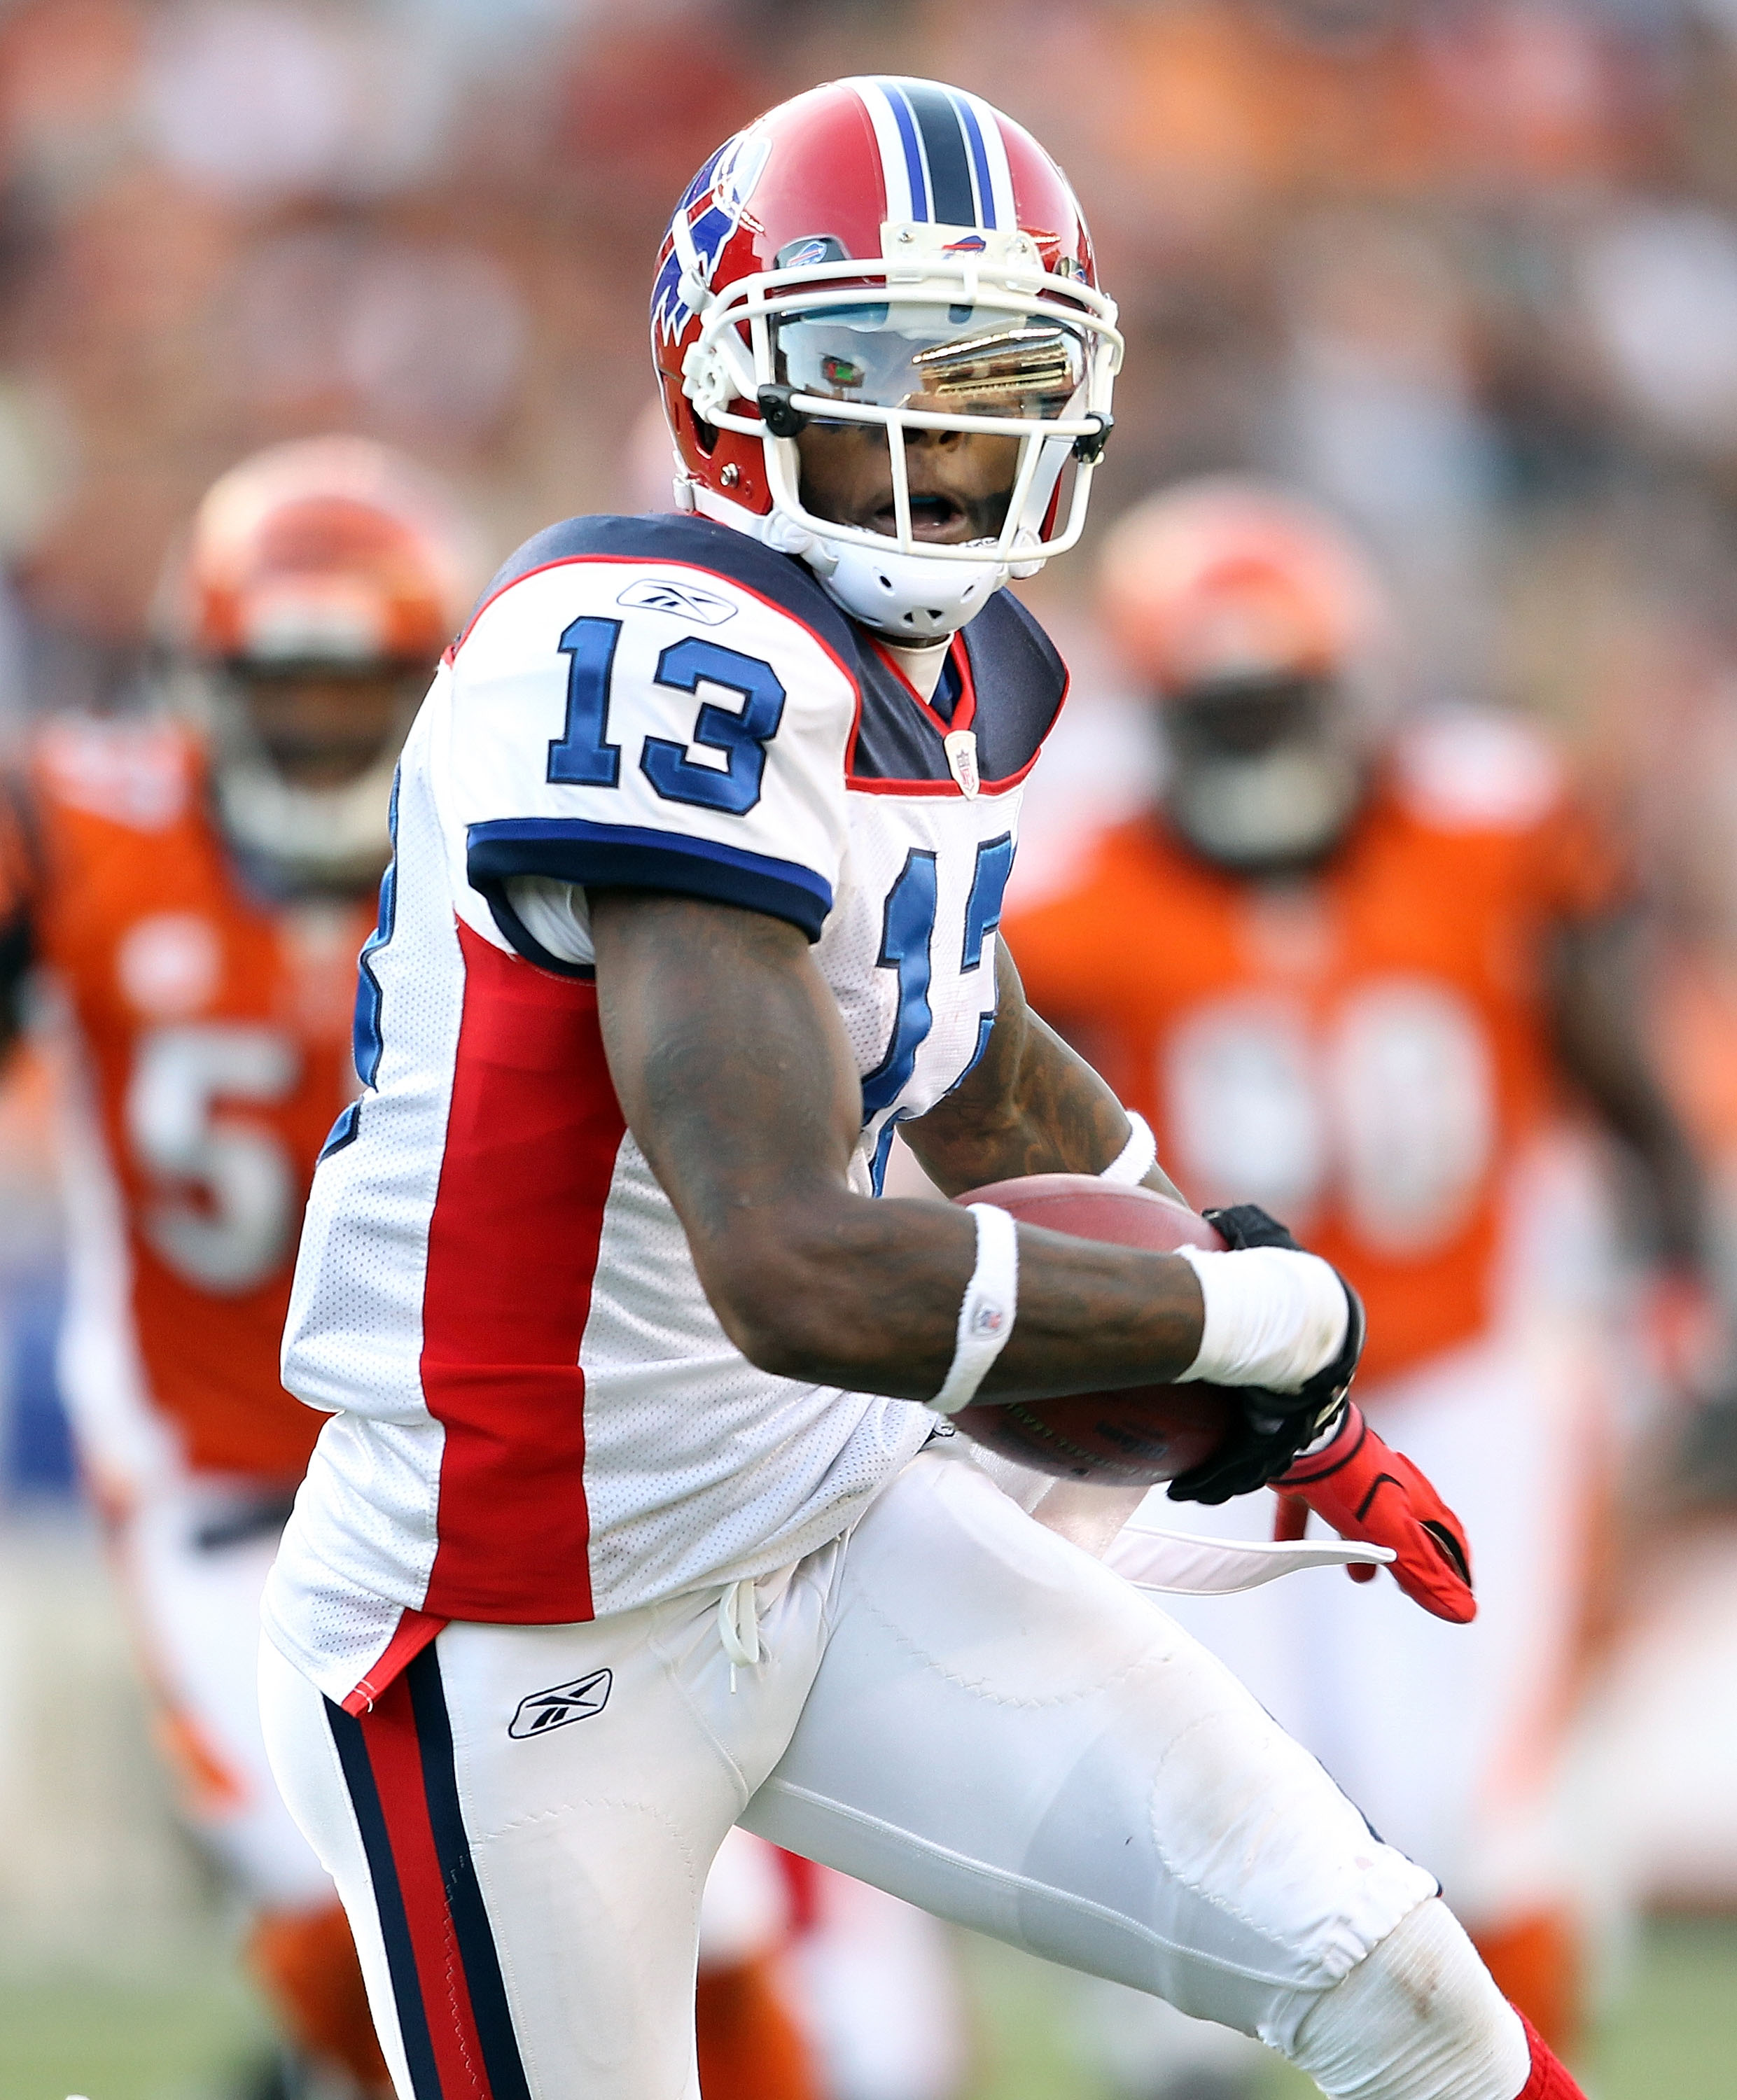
1466,269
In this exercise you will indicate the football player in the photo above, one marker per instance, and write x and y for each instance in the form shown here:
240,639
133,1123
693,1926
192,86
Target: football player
197,881
633,1519
1346,966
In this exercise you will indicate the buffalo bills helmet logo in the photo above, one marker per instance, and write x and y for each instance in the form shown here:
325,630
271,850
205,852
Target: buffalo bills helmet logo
803,255
715,203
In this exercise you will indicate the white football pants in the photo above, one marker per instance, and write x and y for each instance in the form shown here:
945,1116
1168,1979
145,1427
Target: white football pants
192,1558
953,1703
1450,1738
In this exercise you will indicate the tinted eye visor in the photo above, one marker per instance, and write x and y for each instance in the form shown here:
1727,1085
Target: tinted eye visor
990,365
1245,718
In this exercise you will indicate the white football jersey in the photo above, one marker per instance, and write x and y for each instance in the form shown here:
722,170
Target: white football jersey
537,1416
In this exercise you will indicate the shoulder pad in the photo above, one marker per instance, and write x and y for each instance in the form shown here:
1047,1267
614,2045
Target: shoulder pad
1472,768
698,543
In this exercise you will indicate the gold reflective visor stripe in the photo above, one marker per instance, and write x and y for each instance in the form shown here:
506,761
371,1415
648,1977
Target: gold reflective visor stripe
1014,361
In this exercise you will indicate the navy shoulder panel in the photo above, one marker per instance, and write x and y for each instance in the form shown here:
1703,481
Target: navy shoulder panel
895,739
698,542
1019,678
1020,683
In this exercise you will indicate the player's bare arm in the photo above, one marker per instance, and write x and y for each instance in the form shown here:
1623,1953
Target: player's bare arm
733,1072
1596,986
1030,1105
18,883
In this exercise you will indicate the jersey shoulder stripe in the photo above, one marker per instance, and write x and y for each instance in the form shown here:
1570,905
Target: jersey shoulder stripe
624,856
694,543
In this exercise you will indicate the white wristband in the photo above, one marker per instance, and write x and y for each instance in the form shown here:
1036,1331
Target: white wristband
986,1311
1274,1318
1137,1158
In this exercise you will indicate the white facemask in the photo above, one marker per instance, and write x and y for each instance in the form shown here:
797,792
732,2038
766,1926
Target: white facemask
1286,805
941,326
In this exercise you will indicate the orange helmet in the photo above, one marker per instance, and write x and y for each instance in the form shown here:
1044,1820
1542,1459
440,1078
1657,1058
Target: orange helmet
1226,581
325,551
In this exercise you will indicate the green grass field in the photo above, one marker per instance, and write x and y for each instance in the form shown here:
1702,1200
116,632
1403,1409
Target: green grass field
1673,2037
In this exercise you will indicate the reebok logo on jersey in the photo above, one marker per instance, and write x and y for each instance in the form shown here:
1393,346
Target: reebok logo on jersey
576,1701
683,600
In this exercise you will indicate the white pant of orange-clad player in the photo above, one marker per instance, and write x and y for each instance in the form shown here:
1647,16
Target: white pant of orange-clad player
953,1703
192,1555
880,1993
867,1981
1451,1739
192,1558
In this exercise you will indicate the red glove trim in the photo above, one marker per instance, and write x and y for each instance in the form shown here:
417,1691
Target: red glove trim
1317,1465
1367,1491
1549,2080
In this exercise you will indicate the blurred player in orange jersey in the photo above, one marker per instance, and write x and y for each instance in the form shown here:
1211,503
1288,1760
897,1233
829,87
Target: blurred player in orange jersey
1346,965
197,883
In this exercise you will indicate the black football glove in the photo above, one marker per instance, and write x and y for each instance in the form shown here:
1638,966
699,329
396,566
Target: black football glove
1275,1426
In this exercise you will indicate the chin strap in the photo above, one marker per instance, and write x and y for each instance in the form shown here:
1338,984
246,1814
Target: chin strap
772,528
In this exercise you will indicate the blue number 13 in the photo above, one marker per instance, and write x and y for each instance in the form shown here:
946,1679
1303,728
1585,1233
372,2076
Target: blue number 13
583,756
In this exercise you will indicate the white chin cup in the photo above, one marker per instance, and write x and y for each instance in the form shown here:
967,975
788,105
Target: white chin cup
337,836
1286,804
904,597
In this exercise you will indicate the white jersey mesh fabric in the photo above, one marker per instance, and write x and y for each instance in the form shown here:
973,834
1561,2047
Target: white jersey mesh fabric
644,1455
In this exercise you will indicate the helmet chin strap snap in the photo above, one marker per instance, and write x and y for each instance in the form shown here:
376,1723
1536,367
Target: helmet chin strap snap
1089,451
780,413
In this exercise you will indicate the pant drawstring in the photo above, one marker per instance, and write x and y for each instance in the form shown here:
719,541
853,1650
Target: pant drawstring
739,1626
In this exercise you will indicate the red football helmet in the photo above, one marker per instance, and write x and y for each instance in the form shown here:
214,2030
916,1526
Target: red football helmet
1228,581
302,618
325,551
893,252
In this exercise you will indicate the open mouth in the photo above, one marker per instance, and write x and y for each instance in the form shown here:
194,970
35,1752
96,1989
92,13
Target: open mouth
939,517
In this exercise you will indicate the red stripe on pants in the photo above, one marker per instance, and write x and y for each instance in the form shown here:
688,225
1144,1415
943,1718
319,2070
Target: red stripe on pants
531,1144
395,1757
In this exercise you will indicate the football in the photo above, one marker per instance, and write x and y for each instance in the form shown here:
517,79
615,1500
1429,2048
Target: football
1138,1434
